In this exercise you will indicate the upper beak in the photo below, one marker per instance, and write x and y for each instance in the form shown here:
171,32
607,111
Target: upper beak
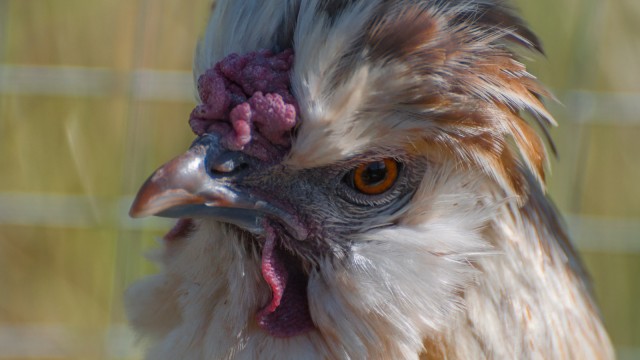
183,188
177,183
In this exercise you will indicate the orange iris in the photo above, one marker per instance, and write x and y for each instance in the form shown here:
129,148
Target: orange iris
376,177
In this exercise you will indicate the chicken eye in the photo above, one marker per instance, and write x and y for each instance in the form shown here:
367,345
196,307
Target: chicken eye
374,178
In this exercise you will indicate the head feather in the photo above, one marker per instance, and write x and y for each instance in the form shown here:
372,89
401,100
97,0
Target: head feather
447,67
382,73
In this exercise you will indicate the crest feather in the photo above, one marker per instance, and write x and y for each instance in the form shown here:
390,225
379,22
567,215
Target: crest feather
382,71
445,69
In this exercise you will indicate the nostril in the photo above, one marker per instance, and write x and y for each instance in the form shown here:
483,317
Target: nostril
228,167
241,167
222,163
225,167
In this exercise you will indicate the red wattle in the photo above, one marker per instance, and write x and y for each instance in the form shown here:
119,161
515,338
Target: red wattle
287,313
274,273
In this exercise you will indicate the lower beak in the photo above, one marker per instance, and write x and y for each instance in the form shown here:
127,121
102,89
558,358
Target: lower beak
183,188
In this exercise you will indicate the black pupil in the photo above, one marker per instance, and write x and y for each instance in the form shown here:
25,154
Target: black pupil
374,173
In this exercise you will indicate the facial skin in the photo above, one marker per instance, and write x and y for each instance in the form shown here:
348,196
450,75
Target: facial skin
331,210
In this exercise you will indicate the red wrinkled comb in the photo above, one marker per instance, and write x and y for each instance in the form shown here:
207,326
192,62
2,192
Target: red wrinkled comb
247,99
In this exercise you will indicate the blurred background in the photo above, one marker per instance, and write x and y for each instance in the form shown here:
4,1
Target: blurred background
94,95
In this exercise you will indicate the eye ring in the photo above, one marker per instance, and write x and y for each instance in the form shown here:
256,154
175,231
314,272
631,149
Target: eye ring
376,177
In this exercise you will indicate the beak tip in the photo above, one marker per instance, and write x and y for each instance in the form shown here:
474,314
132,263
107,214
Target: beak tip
135,213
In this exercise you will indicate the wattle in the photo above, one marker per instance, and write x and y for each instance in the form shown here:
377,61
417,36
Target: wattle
287,313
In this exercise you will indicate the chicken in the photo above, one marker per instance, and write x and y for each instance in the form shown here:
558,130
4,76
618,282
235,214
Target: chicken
363,185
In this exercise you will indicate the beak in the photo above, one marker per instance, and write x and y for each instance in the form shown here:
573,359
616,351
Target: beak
183,188
175,184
